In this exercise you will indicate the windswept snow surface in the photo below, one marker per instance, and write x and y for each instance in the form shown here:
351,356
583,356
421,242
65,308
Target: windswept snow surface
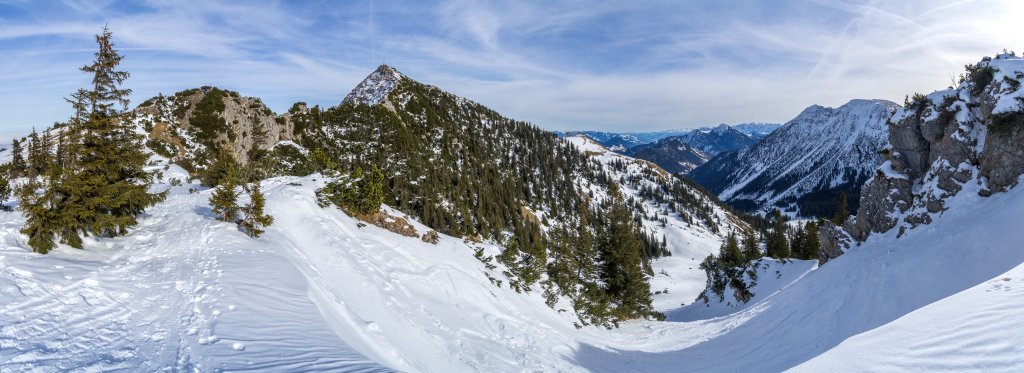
320,292
181,291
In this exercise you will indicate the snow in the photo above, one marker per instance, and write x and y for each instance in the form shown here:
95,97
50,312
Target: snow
886,169
772,277
319,292
974,330
677,276
376,87
182,290
820,147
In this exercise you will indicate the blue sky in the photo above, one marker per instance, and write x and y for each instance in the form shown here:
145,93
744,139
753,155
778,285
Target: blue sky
607,65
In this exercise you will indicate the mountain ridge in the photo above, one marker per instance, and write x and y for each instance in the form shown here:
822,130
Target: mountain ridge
802,166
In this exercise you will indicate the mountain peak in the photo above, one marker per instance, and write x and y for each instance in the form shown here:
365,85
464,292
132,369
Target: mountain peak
376,87
721,128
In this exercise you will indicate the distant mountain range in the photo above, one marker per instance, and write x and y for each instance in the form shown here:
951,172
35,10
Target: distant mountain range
623,141
803,166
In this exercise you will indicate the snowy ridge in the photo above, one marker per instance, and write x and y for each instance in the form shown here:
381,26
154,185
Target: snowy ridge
375,88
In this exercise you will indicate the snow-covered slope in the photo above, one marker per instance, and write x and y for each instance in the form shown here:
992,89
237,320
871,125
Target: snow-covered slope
182,290
677,277
804,164
317,292
882,281
977,329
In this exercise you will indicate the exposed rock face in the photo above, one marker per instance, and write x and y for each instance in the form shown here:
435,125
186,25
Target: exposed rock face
943,142
831,241
209,119
1002,160
376,87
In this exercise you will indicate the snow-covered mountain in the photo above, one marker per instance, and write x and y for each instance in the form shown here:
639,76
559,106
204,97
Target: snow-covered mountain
802,166
682,153
720,139
717,140
671,154
620,142
932,283
757,130
690,236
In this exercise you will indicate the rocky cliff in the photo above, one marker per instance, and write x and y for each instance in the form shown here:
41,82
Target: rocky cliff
964,139
191,125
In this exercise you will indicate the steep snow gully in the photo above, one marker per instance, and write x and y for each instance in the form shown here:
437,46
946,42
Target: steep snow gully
321,292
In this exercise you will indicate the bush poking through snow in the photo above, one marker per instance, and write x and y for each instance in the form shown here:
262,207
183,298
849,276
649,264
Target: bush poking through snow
253,219
224,202
356,194
431,237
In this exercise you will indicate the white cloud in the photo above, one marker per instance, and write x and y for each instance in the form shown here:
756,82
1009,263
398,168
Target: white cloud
563,65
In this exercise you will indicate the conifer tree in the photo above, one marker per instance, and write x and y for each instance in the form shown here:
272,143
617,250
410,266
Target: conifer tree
842,210
730,254
253,219
43,219
108,186
224,199
371,191
35,163
17,166
751,247
798,243
812,249
622,262
219,168
5,192
777,244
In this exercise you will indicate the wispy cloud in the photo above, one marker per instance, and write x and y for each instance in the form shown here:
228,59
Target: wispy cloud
562,65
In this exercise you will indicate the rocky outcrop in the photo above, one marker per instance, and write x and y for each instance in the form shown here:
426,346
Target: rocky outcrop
190,122
831,240
1002,160
940,143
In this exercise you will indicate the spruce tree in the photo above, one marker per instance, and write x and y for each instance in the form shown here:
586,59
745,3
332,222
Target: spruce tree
730,254
40,204
224,199
35,163
842,210
5,192
622,262
812,250
17,166
751,247
253,219
370,191
797,243
108,187
777,244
